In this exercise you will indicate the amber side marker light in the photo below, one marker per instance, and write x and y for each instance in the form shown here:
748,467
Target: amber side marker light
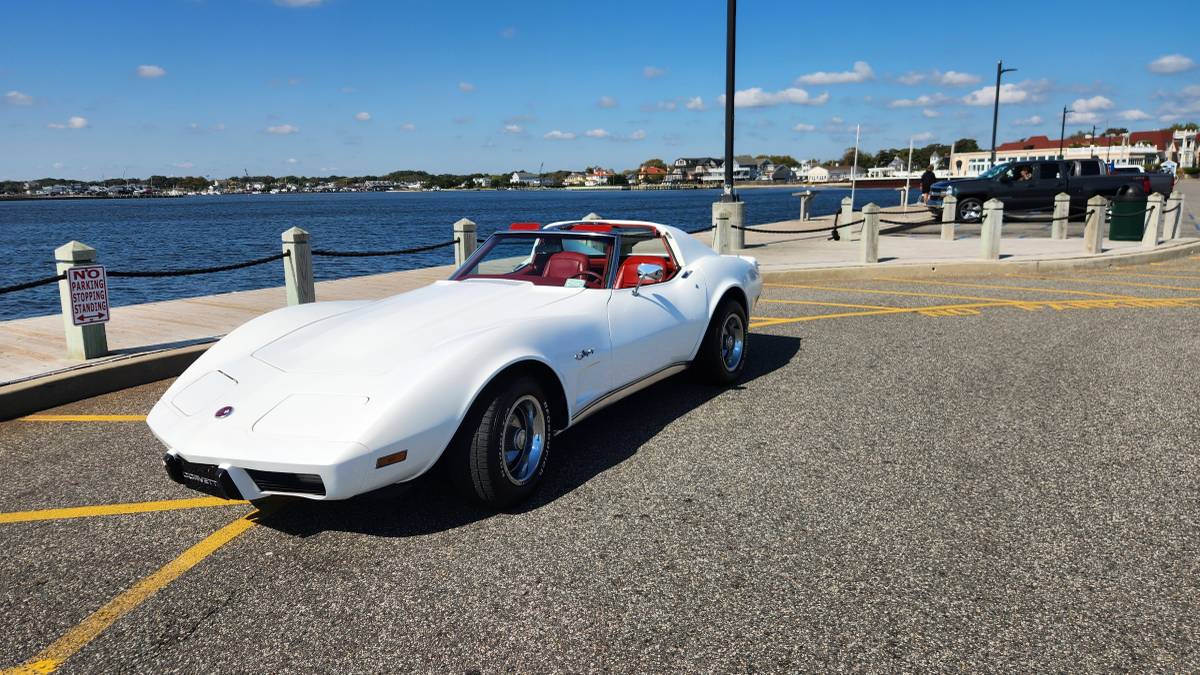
394,458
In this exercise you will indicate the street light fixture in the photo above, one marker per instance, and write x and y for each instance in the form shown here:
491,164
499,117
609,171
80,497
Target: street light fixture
1000,70
1062,135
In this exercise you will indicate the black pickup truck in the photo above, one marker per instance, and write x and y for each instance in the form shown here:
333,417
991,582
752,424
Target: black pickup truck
1024,186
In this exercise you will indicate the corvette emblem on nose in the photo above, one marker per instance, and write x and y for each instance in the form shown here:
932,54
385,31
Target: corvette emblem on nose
224,412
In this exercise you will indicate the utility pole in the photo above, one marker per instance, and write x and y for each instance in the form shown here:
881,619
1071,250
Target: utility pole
854,168
1062,135
1000,70
727,194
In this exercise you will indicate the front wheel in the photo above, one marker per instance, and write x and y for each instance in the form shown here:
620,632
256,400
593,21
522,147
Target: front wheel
970,210
722,355
504,445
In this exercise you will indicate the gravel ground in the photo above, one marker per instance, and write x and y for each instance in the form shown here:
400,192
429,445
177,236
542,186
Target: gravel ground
1010,490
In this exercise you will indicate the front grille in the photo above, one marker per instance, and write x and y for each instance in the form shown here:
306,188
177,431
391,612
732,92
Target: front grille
277,481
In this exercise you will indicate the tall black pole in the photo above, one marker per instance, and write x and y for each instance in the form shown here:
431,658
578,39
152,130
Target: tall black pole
1000,70
1062,134
727,194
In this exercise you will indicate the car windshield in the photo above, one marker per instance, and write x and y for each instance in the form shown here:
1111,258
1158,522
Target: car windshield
995,170
542,258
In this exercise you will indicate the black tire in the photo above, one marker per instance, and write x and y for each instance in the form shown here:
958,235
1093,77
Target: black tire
483,464
970,210
722,359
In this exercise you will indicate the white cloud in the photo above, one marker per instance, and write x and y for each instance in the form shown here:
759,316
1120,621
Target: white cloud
72,123
15,97
912,78
183,165
1133,115
1083,118
930,113
860,73
298,3
293,160
953,78
597,133
607,102
661,105
696,103
638,135
923,137
651,72
755,97
513,129
58,165
1031,121
151,72
923,101
408,126
508,33
466,87
801,126
283,129
1029,91
363,116
1083,105
557,135
1171,63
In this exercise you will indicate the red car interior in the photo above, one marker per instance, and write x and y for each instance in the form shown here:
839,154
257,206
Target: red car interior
566,265
627,276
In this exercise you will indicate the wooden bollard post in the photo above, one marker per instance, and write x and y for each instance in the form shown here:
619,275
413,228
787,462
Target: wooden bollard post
297,267
727,218
805,203
1154,220
466,240
88,341
870,234
1062,211
1093,232
993,223
1173,215
949,214
848,217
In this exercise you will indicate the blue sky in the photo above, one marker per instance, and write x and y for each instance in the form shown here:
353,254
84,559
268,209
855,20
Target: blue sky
212,87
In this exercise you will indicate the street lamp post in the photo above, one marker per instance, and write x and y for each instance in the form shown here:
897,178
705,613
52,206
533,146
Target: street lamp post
1000,70
727,194
1062,134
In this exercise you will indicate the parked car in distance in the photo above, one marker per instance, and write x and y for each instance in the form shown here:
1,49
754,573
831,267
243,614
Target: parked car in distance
1033,185
538,329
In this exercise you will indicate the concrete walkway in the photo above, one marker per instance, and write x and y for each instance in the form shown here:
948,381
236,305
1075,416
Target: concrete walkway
33,348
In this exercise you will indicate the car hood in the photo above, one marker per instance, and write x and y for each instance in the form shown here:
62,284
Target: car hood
381,336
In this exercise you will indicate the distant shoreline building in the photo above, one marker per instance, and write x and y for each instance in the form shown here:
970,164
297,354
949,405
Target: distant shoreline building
1143,149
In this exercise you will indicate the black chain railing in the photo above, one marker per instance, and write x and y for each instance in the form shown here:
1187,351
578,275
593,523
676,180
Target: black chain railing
198,270
31,284
371,254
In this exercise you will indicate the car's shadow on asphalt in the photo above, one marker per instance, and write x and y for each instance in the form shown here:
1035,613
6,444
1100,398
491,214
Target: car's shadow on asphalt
430,504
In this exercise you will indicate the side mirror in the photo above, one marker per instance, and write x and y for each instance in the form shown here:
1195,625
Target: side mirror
648,272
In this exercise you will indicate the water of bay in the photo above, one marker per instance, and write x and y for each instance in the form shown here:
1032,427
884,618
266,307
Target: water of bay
152,234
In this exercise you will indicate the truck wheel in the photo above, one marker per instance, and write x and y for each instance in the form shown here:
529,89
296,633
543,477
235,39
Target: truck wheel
723,353
504,444
970,210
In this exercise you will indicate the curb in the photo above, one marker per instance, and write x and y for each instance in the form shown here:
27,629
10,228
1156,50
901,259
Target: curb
29,396
982,268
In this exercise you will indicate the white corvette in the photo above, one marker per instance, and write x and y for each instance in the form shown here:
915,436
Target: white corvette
538,329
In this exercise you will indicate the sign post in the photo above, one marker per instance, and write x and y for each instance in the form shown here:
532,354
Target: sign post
83,295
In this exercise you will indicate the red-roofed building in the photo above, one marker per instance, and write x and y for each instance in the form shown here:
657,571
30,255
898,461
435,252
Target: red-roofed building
1146,149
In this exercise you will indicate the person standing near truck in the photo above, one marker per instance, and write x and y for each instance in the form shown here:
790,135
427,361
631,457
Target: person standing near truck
927,180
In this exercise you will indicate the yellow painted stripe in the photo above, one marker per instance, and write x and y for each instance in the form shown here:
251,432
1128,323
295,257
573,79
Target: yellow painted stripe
116,509
1003,288
49,659
774,321
1114,281
1151,276
824,304
82,418
879,292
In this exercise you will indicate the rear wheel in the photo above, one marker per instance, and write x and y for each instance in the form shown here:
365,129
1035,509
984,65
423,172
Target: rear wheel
970,210
722,355
504,444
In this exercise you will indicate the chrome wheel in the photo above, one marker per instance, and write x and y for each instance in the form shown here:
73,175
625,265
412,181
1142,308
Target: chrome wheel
524,439
970,211
733,342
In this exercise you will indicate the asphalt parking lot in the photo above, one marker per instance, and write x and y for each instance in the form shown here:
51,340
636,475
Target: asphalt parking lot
995,473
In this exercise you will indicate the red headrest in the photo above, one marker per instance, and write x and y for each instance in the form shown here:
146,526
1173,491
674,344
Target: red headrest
525,226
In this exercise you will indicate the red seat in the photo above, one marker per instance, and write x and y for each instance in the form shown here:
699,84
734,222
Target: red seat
565,265
627,276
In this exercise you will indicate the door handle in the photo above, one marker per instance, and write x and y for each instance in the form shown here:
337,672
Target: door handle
686,274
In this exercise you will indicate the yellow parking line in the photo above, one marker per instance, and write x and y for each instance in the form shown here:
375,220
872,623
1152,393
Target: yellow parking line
49,659
879,292
825,304
774,321
82,418
1004,288
115,509
1114,281
1152,276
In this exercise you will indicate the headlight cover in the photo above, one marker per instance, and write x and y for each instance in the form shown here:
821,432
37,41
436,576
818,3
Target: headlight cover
330,417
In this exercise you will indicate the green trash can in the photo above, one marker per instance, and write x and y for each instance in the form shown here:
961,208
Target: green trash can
1128,214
